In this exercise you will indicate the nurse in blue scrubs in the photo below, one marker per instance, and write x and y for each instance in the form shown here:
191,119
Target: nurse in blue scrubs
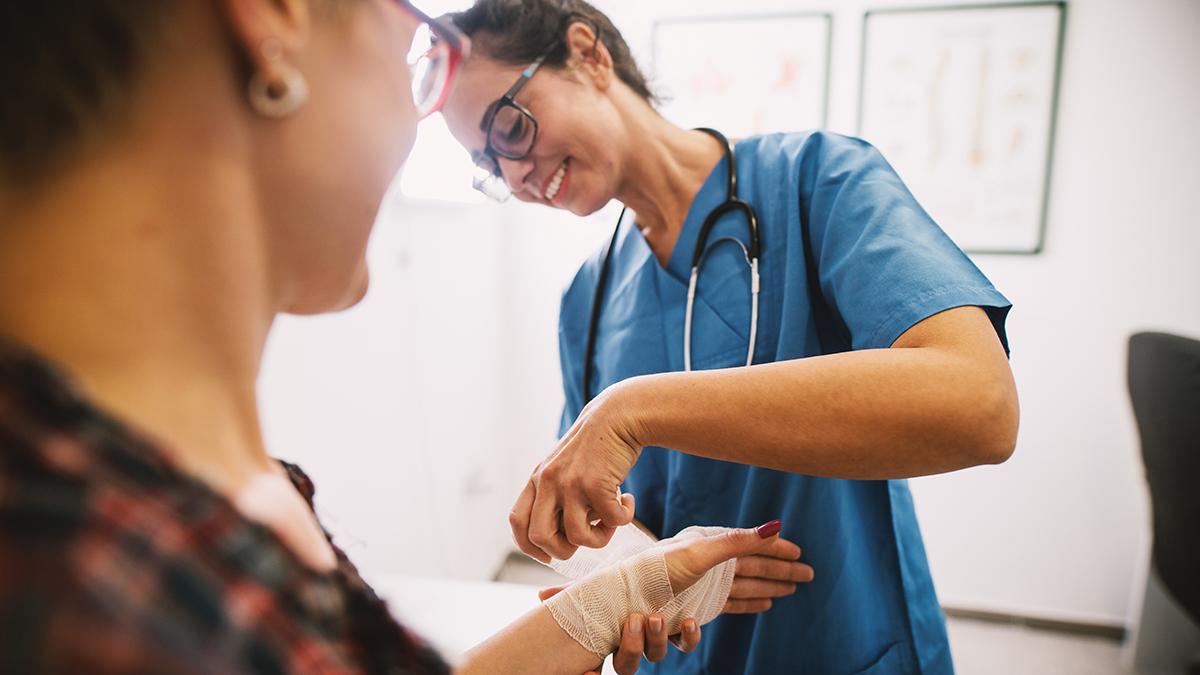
879,354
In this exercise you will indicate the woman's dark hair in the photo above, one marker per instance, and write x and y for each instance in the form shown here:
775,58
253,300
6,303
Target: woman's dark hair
517,32
66,66
69,67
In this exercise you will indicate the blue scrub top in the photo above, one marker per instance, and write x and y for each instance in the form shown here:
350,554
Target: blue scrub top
884,266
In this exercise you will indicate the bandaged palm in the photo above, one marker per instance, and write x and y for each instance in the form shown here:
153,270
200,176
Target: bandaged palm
686,576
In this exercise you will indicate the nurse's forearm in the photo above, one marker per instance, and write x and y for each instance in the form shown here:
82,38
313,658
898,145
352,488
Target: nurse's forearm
533,643
873,414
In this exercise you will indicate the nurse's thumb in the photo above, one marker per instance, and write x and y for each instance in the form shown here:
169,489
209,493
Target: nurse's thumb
615,511
736,543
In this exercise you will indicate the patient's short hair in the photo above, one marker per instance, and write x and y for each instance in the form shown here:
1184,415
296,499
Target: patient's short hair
67,67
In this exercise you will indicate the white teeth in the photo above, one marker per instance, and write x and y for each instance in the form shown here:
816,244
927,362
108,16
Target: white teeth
556,182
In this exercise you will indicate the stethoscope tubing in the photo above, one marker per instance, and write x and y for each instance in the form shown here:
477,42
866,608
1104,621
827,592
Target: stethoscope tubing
693,283
750,251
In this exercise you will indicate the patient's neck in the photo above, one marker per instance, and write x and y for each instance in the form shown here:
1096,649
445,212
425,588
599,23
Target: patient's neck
140,275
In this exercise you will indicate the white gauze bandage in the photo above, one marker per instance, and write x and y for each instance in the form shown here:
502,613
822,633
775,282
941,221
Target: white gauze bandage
630,575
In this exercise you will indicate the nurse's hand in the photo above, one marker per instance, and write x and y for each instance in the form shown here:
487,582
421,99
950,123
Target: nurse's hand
638,639
647,636
763,577
574,497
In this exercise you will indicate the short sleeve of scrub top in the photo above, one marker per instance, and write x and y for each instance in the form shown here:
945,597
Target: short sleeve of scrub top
884,264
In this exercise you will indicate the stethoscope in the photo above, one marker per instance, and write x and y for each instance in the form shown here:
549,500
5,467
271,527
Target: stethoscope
750,251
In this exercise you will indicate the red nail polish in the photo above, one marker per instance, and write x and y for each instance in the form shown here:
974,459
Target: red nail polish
770,529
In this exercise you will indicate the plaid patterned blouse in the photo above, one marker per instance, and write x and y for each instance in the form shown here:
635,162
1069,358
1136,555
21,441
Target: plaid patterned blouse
112,561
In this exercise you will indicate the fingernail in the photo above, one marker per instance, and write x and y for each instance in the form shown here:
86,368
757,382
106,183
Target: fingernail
770,529
655,624
635,624
690,627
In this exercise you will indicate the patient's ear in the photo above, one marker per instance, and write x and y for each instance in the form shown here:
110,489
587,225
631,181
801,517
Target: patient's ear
267,34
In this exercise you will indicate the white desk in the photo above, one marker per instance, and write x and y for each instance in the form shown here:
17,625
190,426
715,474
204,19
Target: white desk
433,608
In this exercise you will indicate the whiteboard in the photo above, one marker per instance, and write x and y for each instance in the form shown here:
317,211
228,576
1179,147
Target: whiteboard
743,75
962,102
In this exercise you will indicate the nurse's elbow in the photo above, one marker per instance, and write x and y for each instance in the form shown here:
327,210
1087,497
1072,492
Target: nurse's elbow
998,419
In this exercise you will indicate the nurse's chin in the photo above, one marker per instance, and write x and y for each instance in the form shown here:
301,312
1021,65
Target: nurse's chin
585,205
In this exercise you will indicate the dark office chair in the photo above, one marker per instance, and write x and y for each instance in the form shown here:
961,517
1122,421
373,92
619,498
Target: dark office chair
1164,384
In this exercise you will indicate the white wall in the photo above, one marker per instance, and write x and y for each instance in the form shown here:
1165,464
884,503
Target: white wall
422,411
542,250
393,406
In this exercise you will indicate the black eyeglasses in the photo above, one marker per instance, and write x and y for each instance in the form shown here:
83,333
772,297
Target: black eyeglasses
511,131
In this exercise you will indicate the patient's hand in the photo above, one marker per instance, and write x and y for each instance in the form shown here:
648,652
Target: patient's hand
771,571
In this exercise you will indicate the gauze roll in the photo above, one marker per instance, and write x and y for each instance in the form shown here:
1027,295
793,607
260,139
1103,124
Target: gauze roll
630,575
626,542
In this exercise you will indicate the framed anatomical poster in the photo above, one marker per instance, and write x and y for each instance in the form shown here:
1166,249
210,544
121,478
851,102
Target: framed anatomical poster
744,75
962,101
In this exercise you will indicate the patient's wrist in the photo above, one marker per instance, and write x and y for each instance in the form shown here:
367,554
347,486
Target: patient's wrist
631,575
593,610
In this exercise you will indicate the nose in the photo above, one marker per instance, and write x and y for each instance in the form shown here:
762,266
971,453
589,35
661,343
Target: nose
517,173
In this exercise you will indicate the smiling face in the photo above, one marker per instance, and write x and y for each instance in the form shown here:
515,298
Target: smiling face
575,162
